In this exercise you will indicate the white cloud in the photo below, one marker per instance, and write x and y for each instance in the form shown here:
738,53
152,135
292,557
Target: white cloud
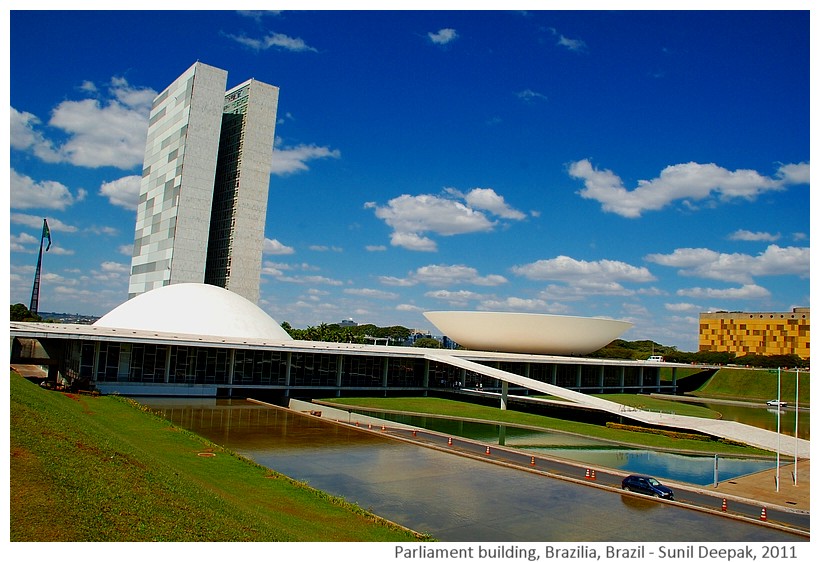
748,236
291,160
413,241
567,269
749,291
411,216
23,132
442,275
488,200
526,305
275,247
689,182
100,132
123,192
738,268
571,44
22,241
33,221
25,193
273,40
455,297
530,95
443,36
795,173
682,307
372,293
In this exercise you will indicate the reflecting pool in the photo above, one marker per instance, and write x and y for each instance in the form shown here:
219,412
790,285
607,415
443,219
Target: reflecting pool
692,469
453,498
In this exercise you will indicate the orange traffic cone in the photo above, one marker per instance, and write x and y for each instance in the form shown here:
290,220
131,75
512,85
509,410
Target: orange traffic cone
587,474
488,450
592,475
382,427
723,507
763,514
449,440
532,461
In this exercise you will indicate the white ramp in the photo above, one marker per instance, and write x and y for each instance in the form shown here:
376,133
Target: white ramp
735,431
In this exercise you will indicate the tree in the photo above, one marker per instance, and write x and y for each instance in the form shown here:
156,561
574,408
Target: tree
431,343
20,313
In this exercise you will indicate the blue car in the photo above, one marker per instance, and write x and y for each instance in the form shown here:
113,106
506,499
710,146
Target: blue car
647,485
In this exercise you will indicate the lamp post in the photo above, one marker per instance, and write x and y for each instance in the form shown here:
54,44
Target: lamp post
777,473
796,413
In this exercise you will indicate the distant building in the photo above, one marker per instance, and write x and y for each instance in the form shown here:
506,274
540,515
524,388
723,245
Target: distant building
347,323
204,191
758,333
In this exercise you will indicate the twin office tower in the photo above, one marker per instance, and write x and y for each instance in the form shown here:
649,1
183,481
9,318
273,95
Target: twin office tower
204,190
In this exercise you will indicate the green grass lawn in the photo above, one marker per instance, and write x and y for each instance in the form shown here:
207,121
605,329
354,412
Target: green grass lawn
756,385
88,468
454,408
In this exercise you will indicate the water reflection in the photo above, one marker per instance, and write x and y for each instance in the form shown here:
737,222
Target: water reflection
692,469
451,497
764,418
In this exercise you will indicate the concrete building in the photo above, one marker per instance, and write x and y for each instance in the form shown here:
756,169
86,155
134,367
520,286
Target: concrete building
166,343
203,196
756,333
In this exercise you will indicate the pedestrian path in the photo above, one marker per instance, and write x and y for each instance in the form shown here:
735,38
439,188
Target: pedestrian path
735,431
763,487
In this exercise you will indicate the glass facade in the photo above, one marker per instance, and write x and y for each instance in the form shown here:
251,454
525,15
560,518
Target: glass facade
194,365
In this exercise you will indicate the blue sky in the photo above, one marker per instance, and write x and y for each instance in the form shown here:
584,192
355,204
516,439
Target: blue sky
639,165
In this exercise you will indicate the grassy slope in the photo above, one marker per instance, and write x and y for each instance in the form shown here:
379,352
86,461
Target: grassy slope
99,469
440,406
756,385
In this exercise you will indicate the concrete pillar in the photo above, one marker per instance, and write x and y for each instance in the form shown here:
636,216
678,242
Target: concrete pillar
167,363
385,371
505,386
231,362
97,361
288,363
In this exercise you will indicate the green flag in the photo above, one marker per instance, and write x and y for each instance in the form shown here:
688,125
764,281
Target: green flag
46,234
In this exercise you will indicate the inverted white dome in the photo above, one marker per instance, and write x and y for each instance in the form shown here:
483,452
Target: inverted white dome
520,332
197,309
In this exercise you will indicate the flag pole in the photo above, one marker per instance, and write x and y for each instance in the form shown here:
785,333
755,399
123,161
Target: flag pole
35,290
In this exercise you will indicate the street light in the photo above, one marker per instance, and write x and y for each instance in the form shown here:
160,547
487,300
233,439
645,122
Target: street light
777,474
796,415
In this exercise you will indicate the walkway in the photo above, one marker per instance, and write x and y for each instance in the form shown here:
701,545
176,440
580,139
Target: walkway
726,429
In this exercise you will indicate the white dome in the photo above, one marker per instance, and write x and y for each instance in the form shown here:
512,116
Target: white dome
195,308
520,332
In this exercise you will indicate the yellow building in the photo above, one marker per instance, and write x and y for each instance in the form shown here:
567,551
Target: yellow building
758,333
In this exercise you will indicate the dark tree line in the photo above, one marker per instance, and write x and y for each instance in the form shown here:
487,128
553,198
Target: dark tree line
364,333
621,349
